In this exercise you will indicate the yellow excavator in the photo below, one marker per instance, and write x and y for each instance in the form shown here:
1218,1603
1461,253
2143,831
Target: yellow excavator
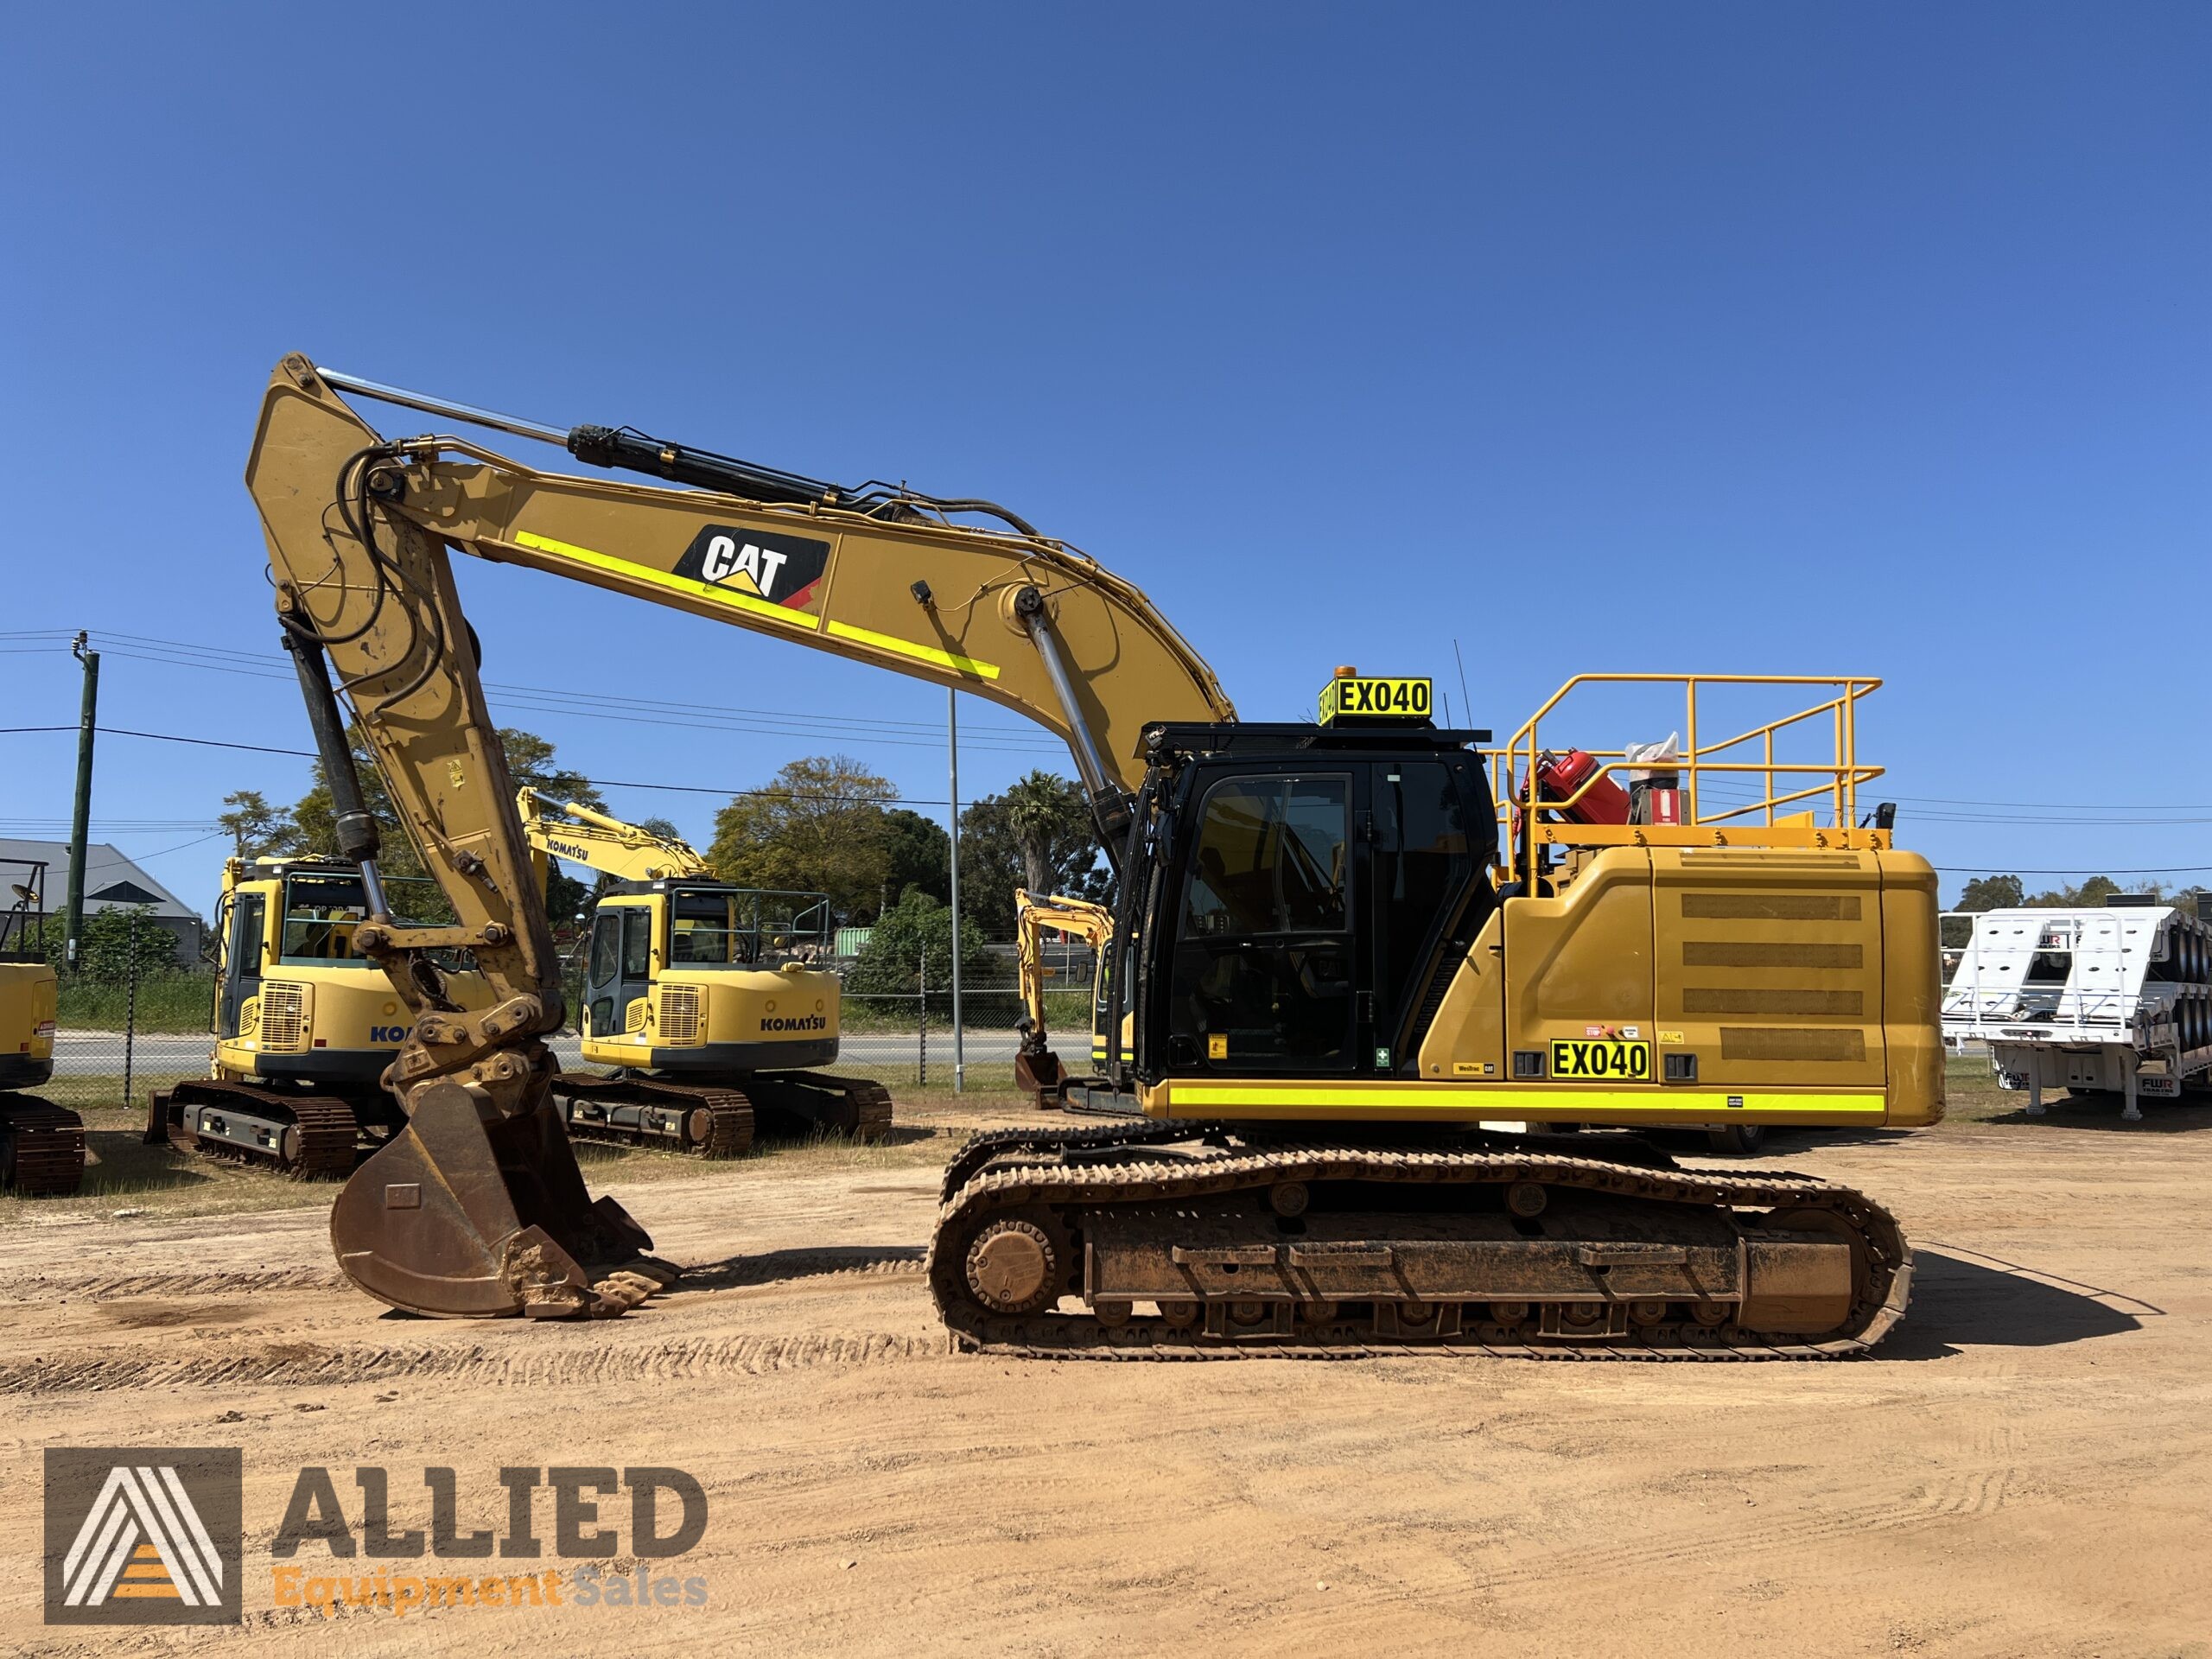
305,1024
705,996
1339,948
42,1145
1038,1070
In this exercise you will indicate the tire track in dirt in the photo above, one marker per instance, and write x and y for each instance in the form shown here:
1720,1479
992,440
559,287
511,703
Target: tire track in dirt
781,1266
176,1284
295,1365
1977,1492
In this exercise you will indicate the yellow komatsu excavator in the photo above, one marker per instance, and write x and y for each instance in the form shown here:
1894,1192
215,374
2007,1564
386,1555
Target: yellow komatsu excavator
42,1145
1036,1068
1334,960
305,1024
707,998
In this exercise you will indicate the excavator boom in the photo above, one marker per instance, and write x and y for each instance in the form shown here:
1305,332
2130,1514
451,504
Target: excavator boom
1016,617
478,1208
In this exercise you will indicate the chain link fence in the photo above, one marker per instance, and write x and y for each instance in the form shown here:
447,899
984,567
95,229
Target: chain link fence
120,1038
120,1034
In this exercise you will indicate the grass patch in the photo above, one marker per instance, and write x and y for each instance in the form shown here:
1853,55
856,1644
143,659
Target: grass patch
983,1007
102,1091
1971,1095
165,1002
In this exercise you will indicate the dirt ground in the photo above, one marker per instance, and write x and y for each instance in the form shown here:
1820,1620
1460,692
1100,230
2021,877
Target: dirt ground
2021,1469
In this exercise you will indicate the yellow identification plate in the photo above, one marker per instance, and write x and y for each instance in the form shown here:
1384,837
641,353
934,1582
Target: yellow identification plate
1613,1061
1372,697
1217,1046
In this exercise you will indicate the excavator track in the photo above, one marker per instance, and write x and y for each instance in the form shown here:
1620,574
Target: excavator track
42,1147
1262,1275
308,1137
701,1120
857,1107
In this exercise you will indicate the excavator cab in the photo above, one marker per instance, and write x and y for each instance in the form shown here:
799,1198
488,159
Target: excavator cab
1304,887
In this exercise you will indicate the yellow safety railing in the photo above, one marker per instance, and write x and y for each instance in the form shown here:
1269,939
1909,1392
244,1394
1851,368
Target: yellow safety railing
1513,775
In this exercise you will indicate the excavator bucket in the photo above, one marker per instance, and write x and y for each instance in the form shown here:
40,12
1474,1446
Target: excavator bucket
1037,1073
456,1217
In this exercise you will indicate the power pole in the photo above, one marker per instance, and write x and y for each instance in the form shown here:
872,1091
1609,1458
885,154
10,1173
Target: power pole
953,759
80,823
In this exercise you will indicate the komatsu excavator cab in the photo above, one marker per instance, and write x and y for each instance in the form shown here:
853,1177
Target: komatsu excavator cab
305,1025
703,977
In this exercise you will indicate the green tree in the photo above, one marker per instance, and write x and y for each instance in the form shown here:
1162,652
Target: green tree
2091,892
915,932
255,827
919,854
1037,834
1992,892
818,826
530,760
114,939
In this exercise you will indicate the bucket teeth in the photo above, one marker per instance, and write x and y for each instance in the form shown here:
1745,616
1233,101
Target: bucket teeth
461,1218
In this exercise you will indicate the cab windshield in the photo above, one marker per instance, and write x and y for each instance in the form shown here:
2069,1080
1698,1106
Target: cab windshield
322,911
727,927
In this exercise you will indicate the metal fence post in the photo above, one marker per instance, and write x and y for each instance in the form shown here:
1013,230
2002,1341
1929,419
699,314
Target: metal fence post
922,1061
130,1006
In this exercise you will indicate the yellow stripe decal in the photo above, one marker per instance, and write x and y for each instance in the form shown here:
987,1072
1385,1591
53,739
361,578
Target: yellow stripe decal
670,580
1491,1101
921,653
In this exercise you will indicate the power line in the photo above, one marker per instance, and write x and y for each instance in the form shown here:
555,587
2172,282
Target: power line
601,783
263,665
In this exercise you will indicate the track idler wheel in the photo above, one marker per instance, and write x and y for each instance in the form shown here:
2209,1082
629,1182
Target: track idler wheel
458,1218
1013,1268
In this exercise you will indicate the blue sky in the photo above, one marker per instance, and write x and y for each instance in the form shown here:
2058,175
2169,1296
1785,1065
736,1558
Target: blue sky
1776,339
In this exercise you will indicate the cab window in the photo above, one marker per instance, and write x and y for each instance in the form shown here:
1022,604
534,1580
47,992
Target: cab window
1263,971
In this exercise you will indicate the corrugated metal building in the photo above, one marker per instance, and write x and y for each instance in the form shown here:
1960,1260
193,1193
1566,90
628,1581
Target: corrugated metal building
111,883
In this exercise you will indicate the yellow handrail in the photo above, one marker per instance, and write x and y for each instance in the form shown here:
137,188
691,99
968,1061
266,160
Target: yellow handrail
1513,773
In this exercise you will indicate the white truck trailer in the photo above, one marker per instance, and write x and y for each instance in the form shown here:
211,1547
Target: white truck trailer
2110,1002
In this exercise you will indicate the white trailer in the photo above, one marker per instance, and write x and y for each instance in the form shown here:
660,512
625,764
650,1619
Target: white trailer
2114,1001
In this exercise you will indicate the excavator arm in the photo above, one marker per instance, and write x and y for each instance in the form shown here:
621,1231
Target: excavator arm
599,843
1036,1069
478,1208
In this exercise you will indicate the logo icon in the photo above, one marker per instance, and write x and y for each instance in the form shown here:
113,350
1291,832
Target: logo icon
764,564
144,1536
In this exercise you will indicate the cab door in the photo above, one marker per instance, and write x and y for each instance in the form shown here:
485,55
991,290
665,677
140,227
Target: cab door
242,958
1421,836
620,969
1264,973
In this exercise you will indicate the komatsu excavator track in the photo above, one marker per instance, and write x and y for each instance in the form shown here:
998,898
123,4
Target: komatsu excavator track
718,1120
857,1107
707,1121
42,1147
1169,1241
309,1136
